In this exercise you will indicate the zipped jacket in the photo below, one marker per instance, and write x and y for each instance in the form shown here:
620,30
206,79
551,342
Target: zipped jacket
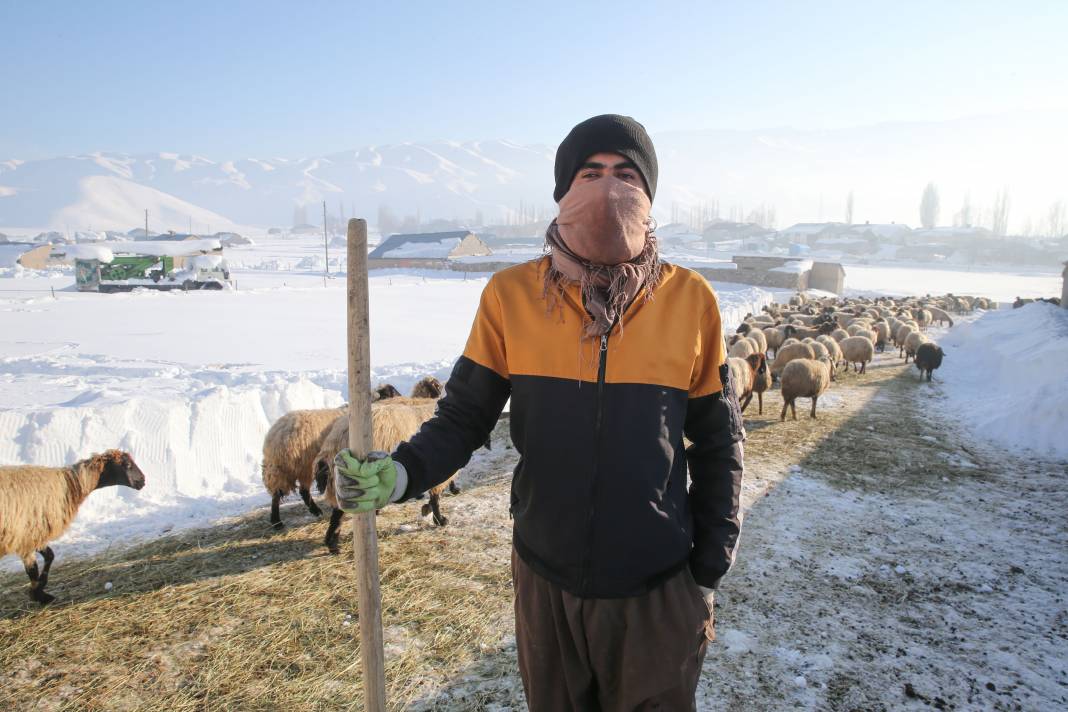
600,498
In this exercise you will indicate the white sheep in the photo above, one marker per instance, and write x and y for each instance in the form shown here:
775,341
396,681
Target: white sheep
804,378
743,347
289,451
857,349
37,504
788,353
912,342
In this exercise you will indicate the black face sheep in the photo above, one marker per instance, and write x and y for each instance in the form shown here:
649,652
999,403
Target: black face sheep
37,504
928,357
804,378
289,451
912,342
384,391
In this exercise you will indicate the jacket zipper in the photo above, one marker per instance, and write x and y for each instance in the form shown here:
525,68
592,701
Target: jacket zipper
587,564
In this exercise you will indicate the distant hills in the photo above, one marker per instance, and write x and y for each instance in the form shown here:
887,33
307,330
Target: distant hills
802,175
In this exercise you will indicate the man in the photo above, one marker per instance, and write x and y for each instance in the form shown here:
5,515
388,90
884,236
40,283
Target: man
610,357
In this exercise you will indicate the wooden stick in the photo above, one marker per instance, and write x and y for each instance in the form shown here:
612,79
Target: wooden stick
364,537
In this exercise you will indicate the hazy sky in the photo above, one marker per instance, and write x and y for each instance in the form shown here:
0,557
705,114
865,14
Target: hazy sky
229,79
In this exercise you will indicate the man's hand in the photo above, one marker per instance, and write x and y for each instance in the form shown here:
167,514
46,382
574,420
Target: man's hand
363,486
709,595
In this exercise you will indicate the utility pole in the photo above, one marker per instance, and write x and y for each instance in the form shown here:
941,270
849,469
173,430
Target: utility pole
146,223
326,247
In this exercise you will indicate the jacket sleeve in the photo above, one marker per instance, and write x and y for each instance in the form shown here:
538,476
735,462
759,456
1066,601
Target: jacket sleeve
714,428
475,394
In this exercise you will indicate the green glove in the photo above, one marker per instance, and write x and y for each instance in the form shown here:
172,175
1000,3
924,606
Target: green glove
363,486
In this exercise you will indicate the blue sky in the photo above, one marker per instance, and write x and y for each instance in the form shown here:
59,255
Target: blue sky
237,79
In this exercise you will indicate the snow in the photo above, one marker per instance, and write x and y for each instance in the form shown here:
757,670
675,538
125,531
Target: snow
1006,377
427,250
794,267
102,253
165,248
1002,285
205,262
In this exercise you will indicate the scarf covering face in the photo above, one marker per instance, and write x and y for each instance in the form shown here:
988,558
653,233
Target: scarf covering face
602,241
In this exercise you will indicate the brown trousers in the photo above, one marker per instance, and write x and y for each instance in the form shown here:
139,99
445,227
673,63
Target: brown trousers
609,655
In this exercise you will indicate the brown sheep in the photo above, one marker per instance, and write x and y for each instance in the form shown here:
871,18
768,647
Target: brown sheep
392,423
37,504
289,451
788,353
758,365
804,378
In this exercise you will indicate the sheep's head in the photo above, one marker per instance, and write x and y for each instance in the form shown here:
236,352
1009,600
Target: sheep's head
384,391
757,362
119,468
743,328
428,387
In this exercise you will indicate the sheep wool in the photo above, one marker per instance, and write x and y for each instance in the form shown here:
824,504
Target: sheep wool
857,350
804,378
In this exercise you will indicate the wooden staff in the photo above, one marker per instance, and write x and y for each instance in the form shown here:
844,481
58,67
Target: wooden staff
364,537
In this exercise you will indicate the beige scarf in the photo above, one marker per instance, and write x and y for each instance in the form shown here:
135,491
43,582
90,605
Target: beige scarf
602,241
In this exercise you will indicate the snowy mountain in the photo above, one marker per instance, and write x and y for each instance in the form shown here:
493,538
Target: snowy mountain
803,175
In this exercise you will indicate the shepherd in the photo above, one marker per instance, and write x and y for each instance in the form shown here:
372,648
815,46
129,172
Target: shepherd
611,357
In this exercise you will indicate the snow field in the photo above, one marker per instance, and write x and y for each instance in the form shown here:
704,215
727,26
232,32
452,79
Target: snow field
1006,376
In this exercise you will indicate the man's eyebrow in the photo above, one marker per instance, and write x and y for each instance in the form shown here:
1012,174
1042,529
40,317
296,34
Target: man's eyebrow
592,164
625,164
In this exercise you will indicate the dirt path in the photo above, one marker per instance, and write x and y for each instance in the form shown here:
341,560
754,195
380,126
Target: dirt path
882,566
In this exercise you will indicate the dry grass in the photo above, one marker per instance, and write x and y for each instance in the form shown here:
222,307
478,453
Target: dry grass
238,617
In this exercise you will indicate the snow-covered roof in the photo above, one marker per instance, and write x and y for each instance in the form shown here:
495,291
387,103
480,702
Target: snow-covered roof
165,248
434,245
794,267
810,228
98,252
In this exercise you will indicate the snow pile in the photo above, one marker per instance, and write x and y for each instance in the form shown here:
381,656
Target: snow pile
1006,375
205,262
69,253
426,250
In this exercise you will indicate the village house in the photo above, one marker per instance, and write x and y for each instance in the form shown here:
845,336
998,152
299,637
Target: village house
433,249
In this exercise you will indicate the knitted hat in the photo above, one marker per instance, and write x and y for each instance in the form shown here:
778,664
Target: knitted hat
607,133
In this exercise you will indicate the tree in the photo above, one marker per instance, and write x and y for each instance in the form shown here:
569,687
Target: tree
1000,218
849,208
387,221
1058,220
300,215
965,216
929,206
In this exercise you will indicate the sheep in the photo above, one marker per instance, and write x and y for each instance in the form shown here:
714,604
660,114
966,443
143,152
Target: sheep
940,315
774,337
912,342
289,451
840,334
392,423
741,377
758,364
857,349
384,391
882,335
804,378
788,353
833,349
37,504
929,356
761,341
902,334
742,348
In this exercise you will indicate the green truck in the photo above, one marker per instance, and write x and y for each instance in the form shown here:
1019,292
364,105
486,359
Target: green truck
125,273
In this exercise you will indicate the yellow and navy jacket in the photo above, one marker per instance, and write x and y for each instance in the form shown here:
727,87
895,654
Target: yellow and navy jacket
599,498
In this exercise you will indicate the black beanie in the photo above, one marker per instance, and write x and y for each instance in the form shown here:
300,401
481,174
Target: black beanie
607,133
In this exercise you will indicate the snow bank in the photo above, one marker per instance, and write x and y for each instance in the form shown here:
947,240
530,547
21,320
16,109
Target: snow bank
794,267
1006,376
70,253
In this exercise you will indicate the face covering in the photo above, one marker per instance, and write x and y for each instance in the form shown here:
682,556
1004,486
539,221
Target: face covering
602,241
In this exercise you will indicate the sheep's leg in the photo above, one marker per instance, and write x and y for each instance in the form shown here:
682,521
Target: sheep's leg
37,582
332,537
814,399
435,507
793,408
863,366
305,494
760,402
276,518
782,415
745,405
453,487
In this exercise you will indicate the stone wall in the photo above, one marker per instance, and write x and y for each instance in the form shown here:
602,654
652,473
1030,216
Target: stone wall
775,280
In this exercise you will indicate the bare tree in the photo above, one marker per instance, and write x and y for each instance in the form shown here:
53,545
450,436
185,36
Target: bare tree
849,209
1000,219
965,217
929,206
1058,220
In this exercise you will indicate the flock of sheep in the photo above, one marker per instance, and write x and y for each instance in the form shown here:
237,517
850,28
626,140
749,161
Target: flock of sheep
809,340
